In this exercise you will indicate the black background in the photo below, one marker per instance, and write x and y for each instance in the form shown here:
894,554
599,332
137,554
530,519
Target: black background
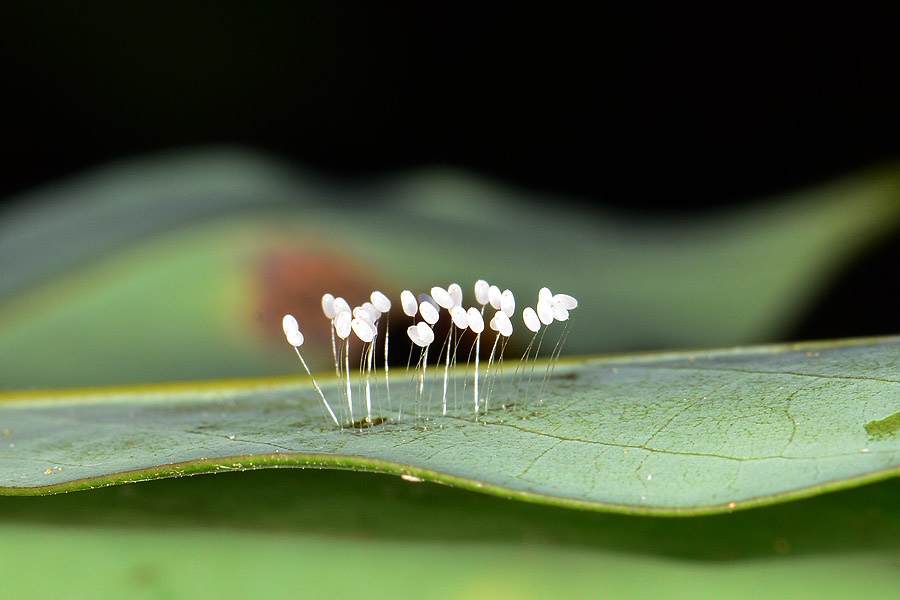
645,107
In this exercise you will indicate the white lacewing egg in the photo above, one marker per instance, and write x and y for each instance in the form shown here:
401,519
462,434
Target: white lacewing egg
501,324
341,306
458,314
531,319
342,324
560,313
419,335
292,331
475,320
380,301
295,338
482,292
289,324
409,303
361,312
429,312
494,295
565,300
545,312
363,330
442,297
374,312
328,306
508,303
426,334
427,298
413,332
456,293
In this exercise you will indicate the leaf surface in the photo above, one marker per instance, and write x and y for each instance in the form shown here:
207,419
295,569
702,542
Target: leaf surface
675,433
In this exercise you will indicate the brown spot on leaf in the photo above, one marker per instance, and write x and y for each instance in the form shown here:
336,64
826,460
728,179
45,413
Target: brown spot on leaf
292,280
364,422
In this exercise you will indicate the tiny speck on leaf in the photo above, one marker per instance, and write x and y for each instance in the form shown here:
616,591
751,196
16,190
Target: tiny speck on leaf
885,428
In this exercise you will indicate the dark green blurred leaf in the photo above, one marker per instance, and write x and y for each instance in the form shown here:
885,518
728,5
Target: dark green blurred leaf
364,535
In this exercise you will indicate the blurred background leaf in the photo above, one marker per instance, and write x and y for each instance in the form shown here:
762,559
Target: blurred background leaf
180,267
321,533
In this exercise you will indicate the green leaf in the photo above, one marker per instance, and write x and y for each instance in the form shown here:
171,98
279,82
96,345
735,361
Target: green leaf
678,433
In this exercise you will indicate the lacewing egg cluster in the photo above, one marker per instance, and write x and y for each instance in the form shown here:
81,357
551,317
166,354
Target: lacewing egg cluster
363,322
